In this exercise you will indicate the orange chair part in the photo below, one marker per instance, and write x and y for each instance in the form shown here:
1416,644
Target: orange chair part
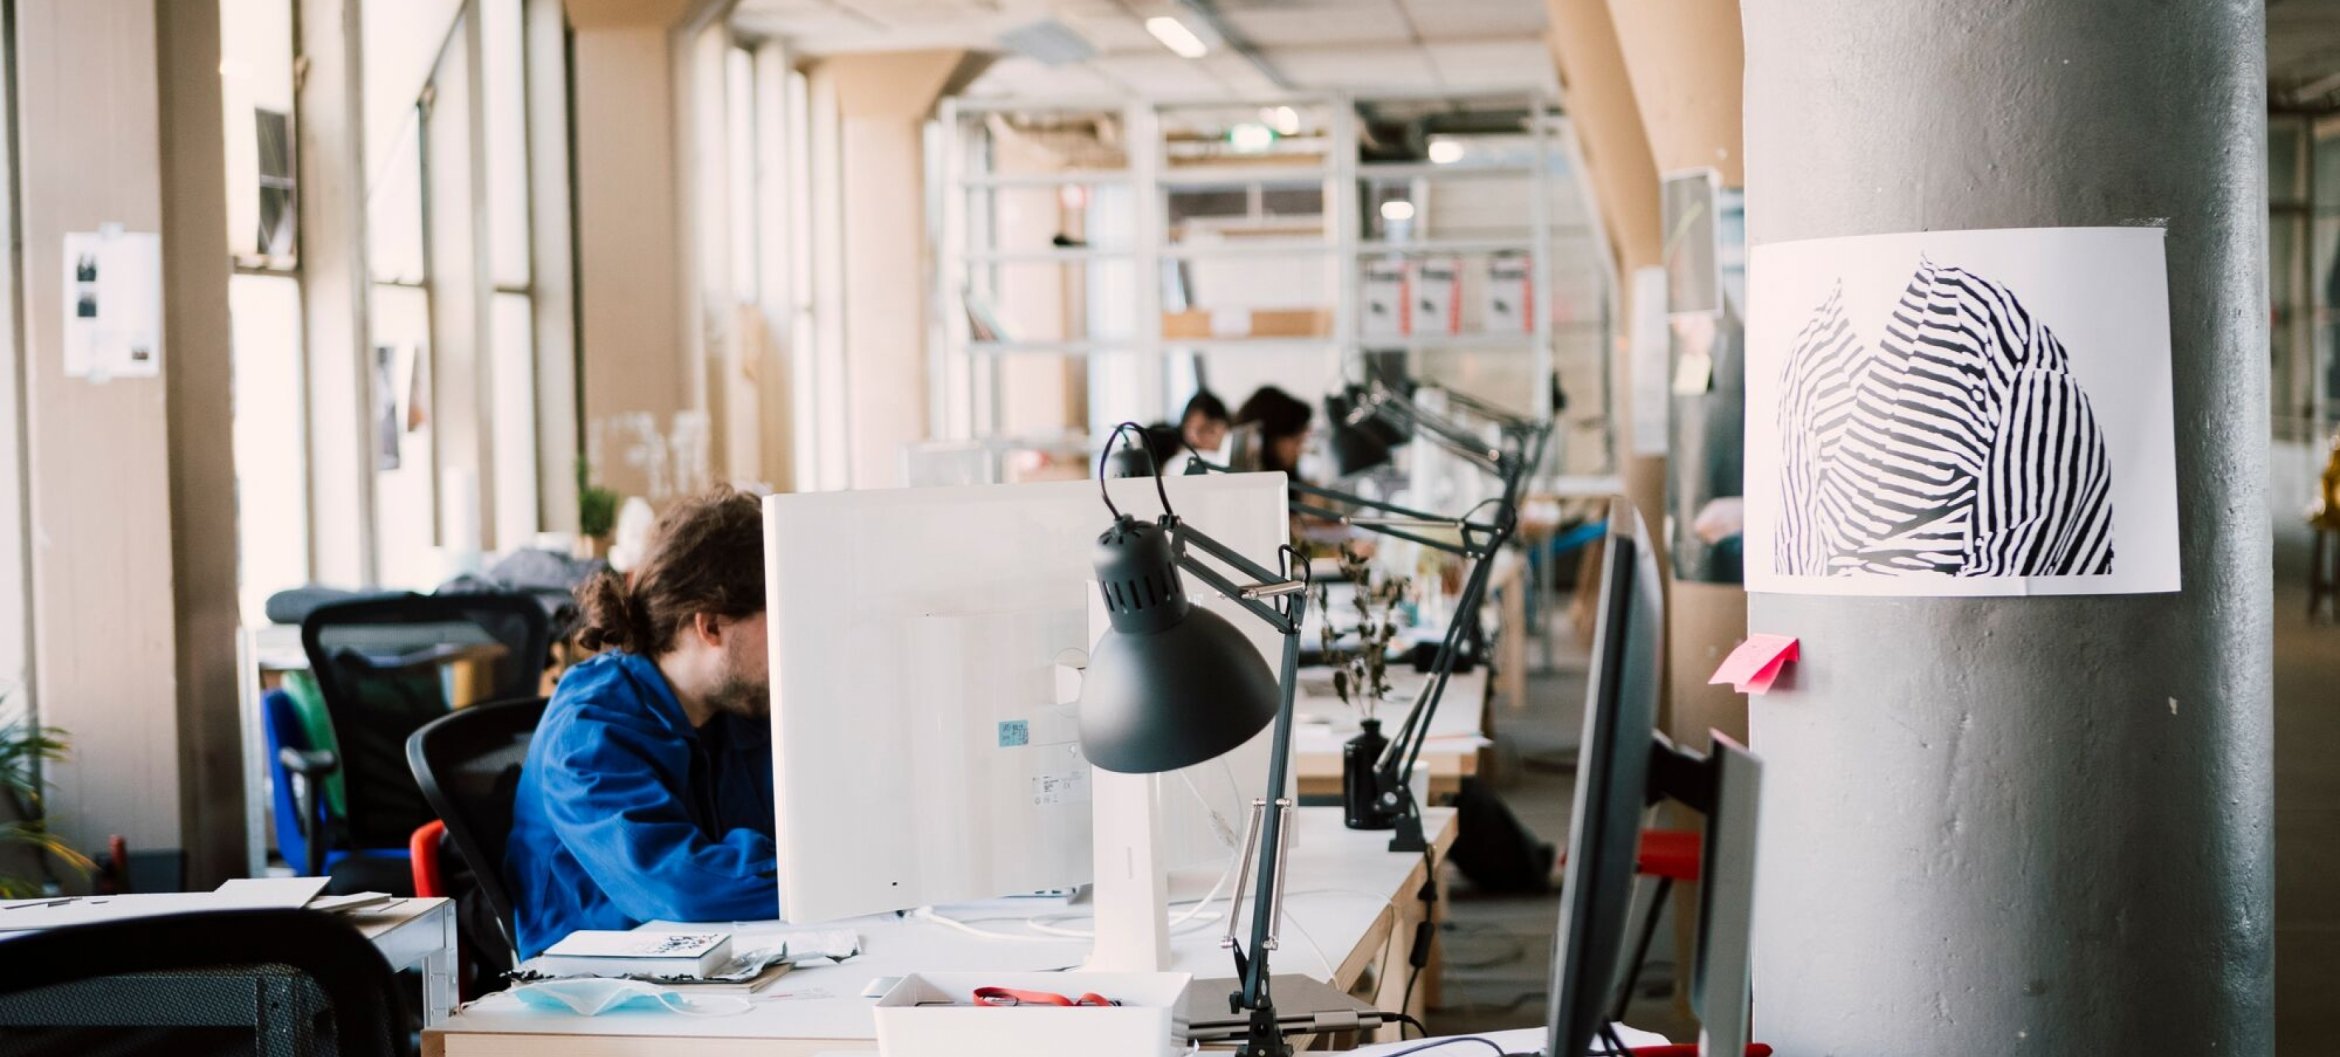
423,850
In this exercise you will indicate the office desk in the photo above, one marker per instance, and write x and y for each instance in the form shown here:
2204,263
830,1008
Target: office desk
1451,754
1346,897
417,934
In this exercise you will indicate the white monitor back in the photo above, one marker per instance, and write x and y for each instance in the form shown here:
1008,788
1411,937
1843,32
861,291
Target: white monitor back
925,744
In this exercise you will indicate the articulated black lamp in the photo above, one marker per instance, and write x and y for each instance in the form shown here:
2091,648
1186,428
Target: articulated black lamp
1476,541
1173,684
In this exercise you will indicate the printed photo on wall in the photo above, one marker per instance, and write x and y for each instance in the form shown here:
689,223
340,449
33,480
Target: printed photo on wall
1961,413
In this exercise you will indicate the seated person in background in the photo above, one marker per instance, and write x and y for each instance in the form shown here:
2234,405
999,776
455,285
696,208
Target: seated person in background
1202,427
1283,428
647,793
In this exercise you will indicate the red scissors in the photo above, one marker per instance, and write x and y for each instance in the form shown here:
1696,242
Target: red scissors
1010,996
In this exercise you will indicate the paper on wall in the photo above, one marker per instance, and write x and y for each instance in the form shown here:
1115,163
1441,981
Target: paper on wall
112,304
1650,388
1961,413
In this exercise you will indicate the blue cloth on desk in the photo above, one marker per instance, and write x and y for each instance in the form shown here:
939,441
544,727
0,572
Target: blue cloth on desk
627,814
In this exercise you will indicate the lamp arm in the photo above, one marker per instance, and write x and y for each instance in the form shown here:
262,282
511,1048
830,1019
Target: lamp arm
1266,1036
1286,621
1446,433
1416,729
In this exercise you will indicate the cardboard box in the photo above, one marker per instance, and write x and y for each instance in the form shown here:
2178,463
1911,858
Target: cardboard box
935,1015
1195,324
1290,322
1191,323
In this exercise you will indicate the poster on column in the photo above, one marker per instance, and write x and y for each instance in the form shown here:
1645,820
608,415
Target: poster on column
112,304
1961,413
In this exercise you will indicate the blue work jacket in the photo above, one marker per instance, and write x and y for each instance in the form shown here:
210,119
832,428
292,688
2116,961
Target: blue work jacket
625,813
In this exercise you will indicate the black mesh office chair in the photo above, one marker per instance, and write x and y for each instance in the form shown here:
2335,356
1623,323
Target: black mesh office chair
254,981
380,665
468,765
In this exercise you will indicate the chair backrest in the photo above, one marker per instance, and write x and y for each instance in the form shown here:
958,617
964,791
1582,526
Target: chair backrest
468,764
284,731
379,664
355,979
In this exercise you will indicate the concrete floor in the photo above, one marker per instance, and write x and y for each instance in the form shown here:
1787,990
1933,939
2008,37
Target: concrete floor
1499,948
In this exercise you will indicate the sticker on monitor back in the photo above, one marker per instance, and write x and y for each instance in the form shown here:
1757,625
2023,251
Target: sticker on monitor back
1062,787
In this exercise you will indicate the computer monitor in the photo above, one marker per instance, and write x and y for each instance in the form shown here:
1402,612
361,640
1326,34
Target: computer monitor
1612,782
1360,439
1623,766
924,653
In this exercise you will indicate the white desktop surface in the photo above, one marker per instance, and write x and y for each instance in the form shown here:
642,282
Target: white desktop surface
1330,904
1323,723
1526,1040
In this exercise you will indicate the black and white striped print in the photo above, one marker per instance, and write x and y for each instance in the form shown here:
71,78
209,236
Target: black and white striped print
1959,445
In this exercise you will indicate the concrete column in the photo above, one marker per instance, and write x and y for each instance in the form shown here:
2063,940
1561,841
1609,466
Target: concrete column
630,212
2016,826
881,102
200,446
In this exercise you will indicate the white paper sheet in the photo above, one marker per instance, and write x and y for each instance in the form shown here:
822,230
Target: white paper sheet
1651,388
112,304
1961,413
285,892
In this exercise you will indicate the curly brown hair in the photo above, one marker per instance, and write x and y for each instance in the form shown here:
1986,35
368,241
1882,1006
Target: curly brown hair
705,556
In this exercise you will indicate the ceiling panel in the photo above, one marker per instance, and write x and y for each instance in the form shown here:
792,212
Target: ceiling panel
1160,73
1363,68
1107,25
1321,23
1015,77
1477,19
1238,77
1361,45
1495,64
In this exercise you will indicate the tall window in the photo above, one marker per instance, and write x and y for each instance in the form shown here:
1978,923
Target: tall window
512,328
264,301
453,331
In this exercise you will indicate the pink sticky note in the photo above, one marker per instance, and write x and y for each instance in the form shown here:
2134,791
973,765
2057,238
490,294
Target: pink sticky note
1760,682
1756,663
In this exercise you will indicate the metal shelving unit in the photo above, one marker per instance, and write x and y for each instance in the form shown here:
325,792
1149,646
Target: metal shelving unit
973,268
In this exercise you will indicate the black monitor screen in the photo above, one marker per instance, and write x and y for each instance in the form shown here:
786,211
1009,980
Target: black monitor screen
1612,781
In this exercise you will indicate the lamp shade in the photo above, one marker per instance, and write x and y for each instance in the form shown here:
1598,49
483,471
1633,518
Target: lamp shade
1171,685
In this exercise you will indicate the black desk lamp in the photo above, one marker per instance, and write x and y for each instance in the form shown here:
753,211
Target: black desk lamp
1173,684
1475,541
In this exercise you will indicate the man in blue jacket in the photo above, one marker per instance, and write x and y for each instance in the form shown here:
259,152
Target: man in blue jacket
647,793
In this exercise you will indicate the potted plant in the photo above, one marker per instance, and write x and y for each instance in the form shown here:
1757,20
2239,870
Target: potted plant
597,509
1361,678
27,849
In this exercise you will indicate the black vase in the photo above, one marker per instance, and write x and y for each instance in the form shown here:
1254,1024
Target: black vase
1360,802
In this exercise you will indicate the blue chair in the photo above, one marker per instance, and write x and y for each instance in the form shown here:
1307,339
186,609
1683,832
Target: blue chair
309,832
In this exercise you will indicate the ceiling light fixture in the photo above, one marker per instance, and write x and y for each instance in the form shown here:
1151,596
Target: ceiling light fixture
1175,36
1284,119
1445,152
1396,210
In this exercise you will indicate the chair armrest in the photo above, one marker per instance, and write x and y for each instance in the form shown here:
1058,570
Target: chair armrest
308,763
